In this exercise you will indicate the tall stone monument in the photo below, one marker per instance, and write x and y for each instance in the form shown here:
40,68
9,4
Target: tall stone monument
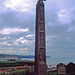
40,48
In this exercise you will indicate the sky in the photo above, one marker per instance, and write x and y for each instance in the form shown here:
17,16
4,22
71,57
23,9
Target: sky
17,27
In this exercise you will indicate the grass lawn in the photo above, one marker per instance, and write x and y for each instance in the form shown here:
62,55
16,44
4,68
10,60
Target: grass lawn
52,73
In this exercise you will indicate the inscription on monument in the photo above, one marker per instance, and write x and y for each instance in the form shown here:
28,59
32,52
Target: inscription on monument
42,68
42,41
41,54
41,23
41,19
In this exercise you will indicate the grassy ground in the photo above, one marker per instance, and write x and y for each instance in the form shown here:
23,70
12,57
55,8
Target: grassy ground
19,72
22,72
30,72
52,73
16,63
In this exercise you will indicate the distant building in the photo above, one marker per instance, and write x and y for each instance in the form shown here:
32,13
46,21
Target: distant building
7,57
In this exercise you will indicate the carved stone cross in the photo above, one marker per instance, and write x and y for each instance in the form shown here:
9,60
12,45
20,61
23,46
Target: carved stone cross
40,45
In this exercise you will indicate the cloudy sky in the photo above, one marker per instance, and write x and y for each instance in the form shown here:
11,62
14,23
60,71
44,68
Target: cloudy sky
17,27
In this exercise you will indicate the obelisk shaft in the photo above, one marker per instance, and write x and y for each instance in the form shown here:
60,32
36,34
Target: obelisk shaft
40,48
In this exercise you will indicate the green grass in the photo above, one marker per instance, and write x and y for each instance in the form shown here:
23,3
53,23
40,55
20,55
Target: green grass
52,73
30,72
18,72
14,63
8,64
22,72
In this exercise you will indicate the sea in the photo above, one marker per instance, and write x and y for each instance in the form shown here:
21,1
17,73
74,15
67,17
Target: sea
55,61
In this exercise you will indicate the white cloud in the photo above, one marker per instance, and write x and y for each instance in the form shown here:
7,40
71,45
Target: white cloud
22,41
20,5
5,44
51,1
20,38
3,9
64,16
24,49
50,37
7,51
4,48
13,30
26,41
3,38
31,35
71,28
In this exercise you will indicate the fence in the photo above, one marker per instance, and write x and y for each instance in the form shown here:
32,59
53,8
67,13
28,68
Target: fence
22,70
7,70
52,67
